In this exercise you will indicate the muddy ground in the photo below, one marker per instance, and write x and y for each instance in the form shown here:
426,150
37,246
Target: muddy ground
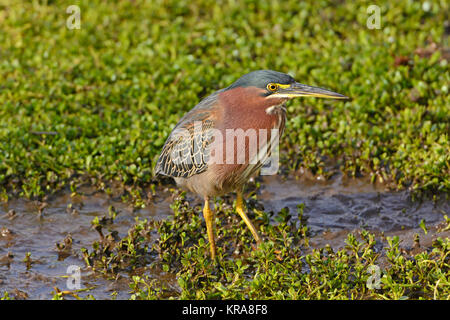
332,208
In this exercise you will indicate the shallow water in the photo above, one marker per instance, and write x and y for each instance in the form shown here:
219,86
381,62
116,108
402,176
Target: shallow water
332,208
29,232
343,203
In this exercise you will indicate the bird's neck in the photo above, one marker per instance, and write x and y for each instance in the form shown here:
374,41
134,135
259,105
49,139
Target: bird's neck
248,108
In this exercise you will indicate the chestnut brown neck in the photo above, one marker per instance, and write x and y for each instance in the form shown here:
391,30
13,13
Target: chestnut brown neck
246,107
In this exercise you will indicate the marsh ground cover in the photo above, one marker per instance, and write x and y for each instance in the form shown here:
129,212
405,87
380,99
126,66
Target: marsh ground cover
161,251
94,106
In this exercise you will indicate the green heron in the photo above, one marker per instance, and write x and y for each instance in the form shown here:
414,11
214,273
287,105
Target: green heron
194,152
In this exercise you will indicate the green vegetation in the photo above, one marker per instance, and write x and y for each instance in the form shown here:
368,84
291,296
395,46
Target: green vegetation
284,267
96,104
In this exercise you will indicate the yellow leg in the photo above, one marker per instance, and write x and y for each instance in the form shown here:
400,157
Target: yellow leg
240,208
209,219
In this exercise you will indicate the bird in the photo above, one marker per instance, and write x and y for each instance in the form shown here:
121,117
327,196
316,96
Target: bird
228,137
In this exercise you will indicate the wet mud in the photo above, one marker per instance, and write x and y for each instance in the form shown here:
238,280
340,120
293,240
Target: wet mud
55,232
343,203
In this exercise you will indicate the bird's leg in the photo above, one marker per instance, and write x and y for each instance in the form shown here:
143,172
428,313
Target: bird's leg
240,208
209,219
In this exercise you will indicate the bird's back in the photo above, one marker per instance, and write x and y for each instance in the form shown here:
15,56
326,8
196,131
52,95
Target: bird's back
186,150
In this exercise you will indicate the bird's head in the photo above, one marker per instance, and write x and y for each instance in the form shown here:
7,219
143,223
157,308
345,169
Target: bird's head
273,84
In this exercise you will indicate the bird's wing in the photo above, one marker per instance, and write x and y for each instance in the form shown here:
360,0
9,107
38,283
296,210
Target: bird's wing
187,150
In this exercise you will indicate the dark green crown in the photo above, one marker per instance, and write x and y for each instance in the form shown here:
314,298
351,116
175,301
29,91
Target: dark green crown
261,78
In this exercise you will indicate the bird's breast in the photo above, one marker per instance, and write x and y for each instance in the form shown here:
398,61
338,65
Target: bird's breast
249,125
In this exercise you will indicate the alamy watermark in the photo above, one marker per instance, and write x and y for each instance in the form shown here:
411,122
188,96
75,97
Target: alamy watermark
374,280
374,19
258,147
74,277
74,20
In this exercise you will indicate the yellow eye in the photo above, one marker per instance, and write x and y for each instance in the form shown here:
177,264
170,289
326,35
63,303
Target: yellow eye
272,87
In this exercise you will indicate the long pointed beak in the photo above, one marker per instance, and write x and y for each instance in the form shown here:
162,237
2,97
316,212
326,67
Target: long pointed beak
302,90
